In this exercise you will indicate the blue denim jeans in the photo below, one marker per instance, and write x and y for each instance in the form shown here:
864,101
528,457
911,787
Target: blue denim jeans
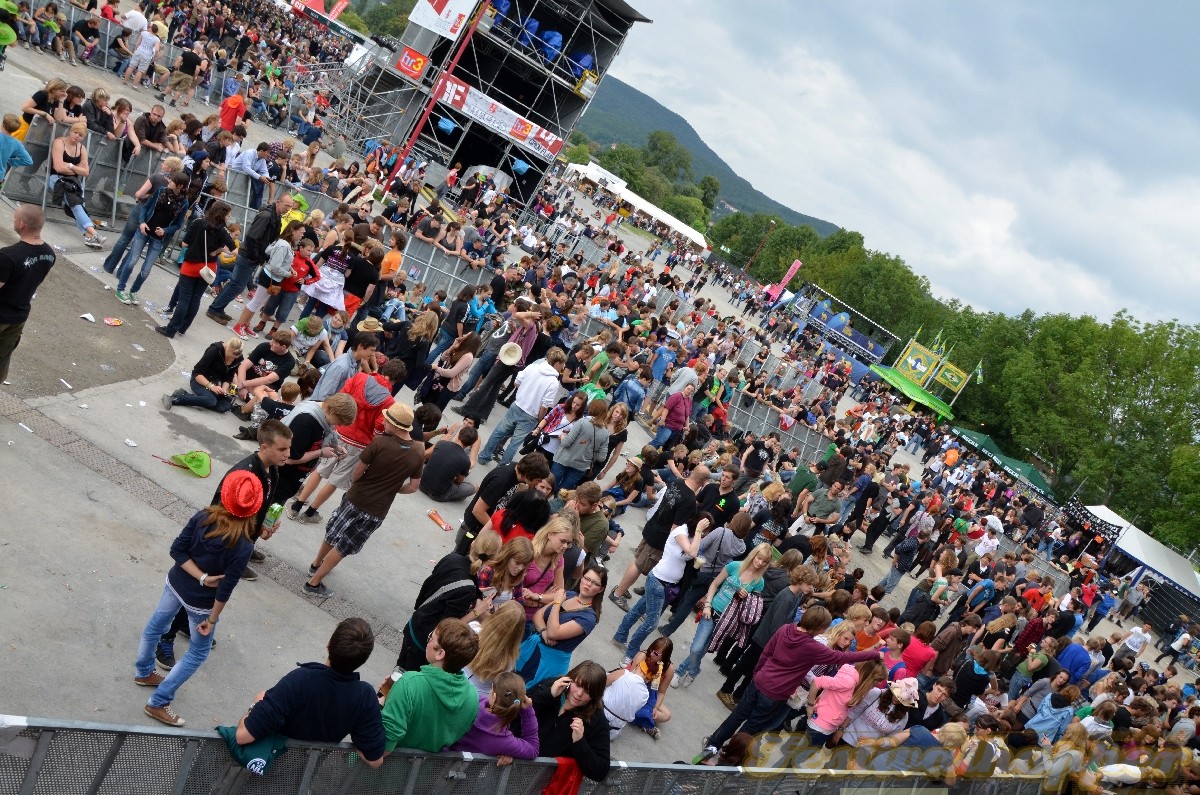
204,398
82,221
1017,685
45,35
152,247
649,608
892,579
567,477
755,713
683,608
699,648
444,340
515,426
662,439
280,306
243,272
197,653
188,292
122,245
486,360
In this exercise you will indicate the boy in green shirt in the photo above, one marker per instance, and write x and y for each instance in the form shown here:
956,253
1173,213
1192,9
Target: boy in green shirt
434,707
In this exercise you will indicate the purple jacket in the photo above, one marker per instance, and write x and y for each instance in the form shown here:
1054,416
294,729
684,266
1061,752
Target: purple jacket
790,654
485,736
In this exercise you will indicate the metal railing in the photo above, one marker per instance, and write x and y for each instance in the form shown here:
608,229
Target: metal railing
64,757
112,181
427,263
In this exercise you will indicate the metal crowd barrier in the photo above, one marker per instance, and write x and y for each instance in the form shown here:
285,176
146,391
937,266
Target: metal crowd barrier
427,263
108,189
761,419
1049,573
41,755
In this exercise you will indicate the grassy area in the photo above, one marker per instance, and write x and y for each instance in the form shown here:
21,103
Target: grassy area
636,231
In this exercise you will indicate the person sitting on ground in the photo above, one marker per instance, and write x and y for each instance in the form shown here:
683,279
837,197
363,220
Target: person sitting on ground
434,707
264,370
211,377
447,465
323,702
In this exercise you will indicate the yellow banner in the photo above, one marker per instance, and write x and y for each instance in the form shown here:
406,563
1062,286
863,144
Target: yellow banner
916,363
950,376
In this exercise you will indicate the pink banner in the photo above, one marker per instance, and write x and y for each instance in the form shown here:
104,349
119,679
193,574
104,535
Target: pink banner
776,290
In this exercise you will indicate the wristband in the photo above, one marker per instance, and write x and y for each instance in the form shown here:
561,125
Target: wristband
210,620
203,577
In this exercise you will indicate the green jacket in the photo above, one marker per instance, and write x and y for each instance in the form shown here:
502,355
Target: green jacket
429,709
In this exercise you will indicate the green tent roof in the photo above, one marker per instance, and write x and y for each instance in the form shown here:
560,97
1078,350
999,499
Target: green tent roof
1015,467
980,441
1028,473
912,391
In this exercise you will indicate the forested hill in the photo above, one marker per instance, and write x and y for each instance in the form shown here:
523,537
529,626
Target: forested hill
622,114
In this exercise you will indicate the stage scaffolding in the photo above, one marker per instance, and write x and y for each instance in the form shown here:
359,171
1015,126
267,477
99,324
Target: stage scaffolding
542,59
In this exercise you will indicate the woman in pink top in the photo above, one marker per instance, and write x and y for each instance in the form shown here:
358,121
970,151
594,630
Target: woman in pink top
831,697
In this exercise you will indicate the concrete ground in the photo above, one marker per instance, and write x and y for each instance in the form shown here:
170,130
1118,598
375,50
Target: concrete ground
89,516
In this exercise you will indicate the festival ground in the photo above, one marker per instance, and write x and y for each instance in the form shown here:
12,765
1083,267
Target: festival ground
89,516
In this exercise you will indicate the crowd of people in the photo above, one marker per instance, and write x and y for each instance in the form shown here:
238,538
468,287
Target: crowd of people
983,663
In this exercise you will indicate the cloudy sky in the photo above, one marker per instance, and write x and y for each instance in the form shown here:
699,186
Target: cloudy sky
1018,154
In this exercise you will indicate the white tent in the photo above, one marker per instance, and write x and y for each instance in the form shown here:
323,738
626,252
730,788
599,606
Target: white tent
592,172
1154,555
643,206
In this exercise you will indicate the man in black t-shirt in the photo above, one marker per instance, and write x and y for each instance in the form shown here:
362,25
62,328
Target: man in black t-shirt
428,228
447,465
676,507
85,34
23,267
499,485
720,499
261,373
188,64
362,274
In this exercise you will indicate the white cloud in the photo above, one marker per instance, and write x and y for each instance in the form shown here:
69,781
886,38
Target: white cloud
1014,187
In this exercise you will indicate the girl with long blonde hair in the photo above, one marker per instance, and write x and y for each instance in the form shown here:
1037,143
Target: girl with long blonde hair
545,575
499,644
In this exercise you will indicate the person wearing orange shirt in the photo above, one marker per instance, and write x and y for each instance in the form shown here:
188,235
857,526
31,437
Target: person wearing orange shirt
951,457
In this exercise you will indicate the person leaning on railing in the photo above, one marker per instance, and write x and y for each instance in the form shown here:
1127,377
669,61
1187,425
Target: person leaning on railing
323,702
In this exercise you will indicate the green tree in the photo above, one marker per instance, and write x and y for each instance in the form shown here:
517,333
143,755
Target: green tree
626,162
710,187
389,18
664,152
687,209
579,153
352,20
1175,521
577,137
742,233
654,187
